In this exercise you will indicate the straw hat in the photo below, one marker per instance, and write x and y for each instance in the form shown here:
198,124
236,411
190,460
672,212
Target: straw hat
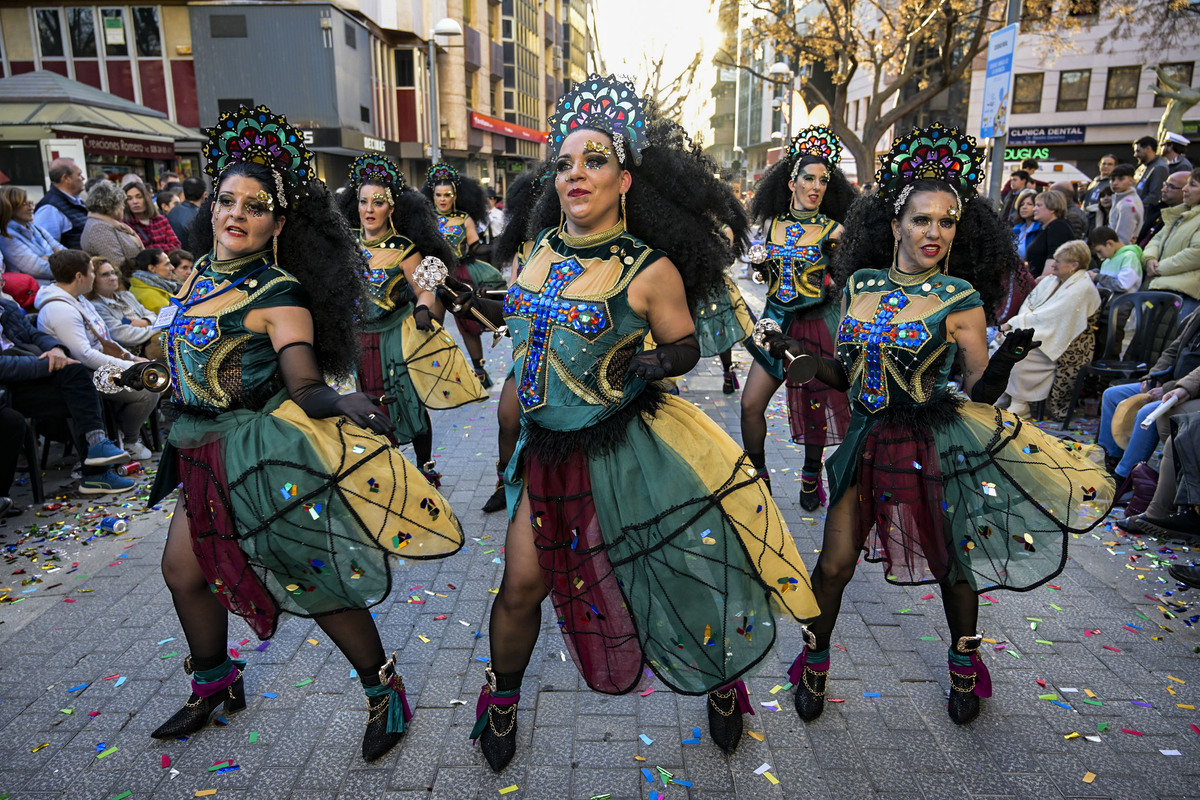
1125,417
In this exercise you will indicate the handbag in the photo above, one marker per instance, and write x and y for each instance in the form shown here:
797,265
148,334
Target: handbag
1145,481
107,346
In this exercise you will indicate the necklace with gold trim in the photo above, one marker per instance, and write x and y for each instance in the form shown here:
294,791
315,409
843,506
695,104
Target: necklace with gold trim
234,264
803,215
591,239
908,279
389,233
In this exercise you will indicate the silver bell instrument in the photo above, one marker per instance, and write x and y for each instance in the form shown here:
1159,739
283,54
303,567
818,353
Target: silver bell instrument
801,368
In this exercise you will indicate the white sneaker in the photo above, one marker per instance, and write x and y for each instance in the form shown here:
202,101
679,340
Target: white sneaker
138,451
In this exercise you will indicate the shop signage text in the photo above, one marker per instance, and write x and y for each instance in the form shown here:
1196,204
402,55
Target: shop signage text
1022,153
1058,134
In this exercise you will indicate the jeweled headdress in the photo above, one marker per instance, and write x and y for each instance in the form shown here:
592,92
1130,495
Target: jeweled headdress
376,169
934,152
816,140
263,137
442,173
603,104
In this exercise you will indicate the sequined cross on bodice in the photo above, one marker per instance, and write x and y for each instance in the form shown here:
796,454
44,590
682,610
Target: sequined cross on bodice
454,230
797,270
892,339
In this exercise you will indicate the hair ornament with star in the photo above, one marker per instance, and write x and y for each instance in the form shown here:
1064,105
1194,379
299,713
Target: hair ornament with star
944,154
816,140
259,136
377,170
606,104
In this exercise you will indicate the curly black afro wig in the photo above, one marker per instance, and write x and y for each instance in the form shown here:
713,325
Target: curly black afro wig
319,249
772,196
469,197
412,217
519,201
983,253
675,204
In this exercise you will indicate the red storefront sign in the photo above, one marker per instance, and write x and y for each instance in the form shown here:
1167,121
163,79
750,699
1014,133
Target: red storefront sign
95,144
503,128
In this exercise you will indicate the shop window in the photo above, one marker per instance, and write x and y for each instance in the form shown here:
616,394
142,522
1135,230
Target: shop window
82,23
406,77
227,26
1180,71
231,105
351,37
145,31
1121,91
112,21
50,33
1073,87
1027,93
364,113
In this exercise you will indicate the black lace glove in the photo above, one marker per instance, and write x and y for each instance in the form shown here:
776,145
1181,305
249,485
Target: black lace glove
423,318
666,360
994,380
306,385
461,298
829,371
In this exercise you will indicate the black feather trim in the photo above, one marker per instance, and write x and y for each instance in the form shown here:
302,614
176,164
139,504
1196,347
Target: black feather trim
553,448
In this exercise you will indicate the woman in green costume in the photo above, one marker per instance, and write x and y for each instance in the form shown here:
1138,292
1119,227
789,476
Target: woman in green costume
292,498
462,208
939,488
637,514
397,228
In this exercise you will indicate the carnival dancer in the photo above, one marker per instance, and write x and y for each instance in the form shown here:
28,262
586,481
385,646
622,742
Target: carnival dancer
461,208
638,515
396,319
938,488
800,203
293,497
722,321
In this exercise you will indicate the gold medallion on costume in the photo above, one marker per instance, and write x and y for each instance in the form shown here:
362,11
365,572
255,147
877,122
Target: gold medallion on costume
439,371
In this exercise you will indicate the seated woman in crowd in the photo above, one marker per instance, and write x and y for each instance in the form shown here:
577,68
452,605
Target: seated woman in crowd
151,225
1059,309
25,246
1050,209
105,234
64,314
128,321
150,278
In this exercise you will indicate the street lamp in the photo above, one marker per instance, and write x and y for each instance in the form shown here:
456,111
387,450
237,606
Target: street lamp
445,27
782,74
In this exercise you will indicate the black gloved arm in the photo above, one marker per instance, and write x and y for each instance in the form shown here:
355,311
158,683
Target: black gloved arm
994,380
830,371
460,298
666,360
306,385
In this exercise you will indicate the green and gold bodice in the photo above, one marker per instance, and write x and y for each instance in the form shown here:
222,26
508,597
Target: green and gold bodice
453,228
385,278
572,328
796,258
892,339
216,363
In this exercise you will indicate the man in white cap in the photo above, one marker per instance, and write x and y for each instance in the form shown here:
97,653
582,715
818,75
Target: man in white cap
1174,151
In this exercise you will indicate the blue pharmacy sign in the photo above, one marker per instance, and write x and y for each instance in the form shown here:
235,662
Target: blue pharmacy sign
997,86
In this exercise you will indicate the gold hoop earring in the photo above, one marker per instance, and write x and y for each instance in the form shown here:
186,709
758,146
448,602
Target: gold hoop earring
275,248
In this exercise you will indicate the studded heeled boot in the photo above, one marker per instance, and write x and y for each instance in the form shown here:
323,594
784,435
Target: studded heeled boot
429,470
482,373
726,706
759,462
497,501
810,680
731,384
812,491
967,683
496,723
388,713
204,699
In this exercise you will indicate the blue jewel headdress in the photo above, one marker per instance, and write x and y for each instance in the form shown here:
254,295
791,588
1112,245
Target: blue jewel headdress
263,137
603,104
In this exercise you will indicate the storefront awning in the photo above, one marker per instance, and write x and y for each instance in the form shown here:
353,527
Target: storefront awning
47,99
485,123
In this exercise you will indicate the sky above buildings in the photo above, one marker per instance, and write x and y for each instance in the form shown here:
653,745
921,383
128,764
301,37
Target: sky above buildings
631,31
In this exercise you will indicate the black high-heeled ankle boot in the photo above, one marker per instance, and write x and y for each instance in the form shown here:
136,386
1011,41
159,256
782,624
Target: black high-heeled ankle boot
812,492
481,373
810,680
203,701
497,501
968,684
726,706
496,724
388,713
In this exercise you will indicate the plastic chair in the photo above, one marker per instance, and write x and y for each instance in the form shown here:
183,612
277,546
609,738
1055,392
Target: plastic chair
1156,324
